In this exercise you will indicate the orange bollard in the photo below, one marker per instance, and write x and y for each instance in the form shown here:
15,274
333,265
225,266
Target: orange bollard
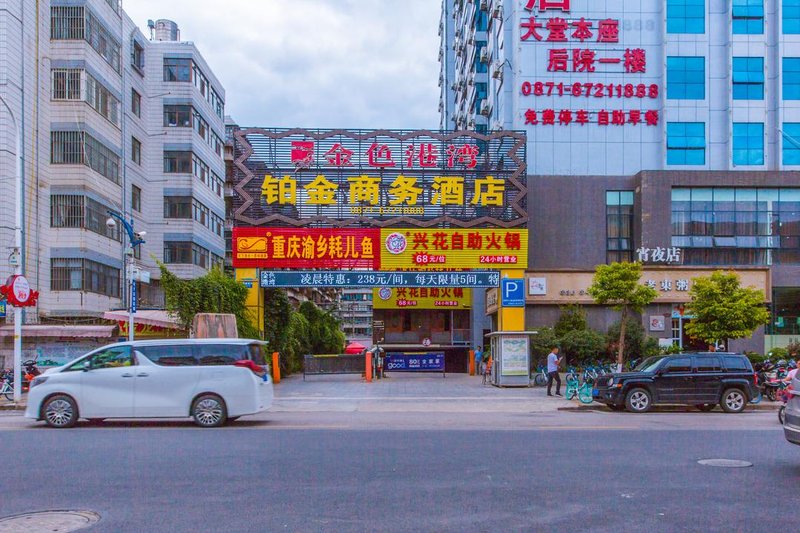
368,366
276,369
472,368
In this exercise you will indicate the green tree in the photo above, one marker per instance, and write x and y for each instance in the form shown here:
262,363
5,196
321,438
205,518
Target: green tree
637,344
618,285
582,345
325,331
277,316
542,342
573,318
214,292
723,309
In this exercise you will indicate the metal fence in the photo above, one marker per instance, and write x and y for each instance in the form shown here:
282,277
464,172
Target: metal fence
316,365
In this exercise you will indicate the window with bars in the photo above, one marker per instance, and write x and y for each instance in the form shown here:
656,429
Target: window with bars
78,211
619,226
177,69
80,148
136,198
101,100
67,23
66,84
136,103
177,116
178,252
84,275
177,162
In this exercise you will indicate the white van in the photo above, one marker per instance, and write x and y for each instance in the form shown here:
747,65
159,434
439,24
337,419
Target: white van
210,380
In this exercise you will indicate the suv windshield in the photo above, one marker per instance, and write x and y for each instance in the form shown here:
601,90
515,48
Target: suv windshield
649,364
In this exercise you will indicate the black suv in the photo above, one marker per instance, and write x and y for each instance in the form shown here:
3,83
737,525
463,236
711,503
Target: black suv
702,379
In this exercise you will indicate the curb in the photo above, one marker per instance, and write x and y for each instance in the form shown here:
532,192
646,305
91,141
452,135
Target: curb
12,407
666,409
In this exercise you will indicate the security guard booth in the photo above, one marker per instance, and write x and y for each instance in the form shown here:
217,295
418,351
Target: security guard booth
511,358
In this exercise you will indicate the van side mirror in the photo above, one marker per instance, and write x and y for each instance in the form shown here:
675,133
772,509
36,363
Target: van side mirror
87,365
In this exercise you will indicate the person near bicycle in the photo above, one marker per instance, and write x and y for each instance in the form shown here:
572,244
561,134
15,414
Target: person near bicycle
553,361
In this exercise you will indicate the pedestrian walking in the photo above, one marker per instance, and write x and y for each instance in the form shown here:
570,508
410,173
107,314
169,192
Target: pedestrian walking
478,360
552,371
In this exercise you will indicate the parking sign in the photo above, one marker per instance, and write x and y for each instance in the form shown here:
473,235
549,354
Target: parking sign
513,292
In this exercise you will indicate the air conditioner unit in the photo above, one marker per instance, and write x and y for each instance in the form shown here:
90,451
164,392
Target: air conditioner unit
497,10
471,39
485,108
497,73
484,55
470,82
471,123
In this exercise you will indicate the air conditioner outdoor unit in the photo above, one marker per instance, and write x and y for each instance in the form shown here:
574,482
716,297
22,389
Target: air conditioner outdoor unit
497,10
471,123
471,39
485,108
470,82
497,73
484,56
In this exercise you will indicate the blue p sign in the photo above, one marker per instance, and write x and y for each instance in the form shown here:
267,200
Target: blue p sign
513,292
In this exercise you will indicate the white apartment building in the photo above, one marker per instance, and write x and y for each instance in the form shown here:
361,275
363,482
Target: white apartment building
111,120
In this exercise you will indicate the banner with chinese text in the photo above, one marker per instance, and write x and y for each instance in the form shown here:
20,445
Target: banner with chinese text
436,248
421,298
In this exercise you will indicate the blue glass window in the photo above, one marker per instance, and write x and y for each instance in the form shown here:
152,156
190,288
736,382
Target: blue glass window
748,78
686,143
686,16
479,65
791,16
686,78
481,20
791,143
748,143
791,78
748,17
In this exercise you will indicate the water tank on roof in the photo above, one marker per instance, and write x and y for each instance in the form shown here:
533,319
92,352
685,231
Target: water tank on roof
167,30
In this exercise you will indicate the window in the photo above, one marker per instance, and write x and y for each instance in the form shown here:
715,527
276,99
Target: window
136,103
686,78
137,56
177,69
686,143
169,355
791,143
686,16
177,252
748,17
683,364
80,148
112,358
78,211
136,200
178,162
707,363
791,16
791,78
101,100
178,116
736,226
177,207
735,363
102,41
619,226
84,275
66,84
67,23
748,143
136,150
748,78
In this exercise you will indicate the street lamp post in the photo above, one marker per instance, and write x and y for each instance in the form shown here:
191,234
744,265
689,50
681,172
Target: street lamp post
17,253
135,239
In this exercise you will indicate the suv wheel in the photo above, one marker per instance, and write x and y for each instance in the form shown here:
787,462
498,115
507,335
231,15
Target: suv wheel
733,401
638,401
209,411
60,411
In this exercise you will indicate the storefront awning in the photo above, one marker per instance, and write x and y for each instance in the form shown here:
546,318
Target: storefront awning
156,318
50,330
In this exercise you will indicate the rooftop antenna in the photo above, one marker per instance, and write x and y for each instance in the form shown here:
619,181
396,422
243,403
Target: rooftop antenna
152,26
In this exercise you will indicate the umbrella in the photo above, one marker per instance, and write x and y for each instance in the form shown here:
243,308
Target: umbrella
355,348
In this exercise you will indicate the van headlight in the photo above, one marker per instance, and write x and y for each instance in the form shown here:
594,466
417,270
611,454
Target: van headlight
38,380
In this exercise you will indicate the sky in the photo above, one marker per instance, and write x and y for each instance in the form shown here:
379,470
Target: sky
315,63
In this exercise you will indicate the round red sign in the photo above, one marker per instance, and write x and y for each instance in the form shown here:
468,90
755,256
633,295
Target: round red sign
18,292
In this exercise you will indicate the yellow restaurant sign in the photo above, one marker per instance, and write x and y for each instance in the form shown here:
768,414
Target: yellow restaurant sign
421,298
437,248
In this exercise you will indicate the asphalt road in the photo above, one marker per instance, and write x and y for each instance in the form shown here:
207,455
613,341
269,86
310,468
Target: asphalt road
537,472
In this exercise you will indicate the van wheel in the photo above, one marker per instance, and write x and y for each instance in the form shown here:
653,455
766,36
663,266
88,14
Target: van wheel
733,401
60,411
638,401
209,411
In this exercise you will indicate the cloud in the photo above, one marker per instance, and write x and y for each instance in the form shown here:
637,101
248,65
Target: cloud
315,63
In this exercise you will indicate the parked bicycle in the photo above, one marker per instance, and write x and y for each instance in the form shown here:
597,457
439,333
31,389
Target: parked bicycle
540,377
7,385
576,388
